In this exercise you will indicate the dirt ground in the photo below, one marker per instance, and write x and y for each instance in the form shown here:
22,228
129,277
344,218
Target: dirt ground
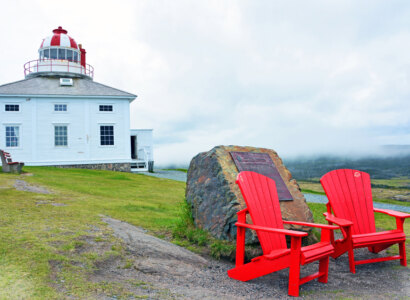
162,270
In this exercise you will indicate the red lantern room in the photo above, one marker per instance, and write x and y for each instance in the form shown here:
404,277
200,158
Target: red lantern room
59,55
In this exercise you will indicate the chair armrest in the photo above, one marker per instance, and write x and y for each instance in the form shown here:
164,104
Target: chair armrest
341,222
242,215
272,230
324,226
243,211
392,213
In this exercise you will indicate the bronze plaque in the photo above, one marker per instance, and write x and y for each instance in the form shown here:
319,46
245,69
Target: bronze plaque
262,163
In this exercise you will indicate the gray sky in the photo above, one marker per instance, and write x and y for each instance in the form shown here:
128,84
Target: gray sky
300,77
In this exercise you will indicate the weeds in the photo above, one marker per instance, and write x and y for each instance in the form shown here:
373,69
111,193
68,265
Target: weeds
222,249
186,234
185,228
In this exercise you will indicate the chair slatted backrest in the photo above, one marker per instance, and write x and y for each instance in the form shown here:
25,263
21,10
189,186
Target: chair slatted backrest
350,196
261,198
8,157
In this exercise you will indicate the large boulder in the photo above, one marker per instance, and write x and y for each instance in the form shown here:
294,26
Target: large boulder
215,198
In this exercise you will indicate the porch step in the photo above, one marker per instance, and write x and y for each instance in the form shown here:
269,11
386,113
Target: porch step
137,170
139,166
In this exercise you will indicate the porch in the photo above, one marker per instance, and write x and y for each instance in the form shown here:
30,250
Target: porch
141,150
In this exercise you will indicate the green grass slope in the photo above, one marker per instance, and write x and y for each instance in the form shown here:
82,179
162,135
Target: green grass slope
36,235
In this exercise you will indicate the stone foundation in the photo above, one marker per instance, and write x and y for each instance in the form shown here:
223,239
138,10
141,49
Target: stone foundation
119,167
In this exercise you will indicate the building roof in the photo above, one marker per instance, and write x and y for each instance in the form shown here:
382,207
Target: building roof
50,86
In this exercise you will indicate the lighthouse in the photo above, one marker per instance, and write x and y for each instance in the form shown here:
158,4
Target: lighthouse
59,116
59,55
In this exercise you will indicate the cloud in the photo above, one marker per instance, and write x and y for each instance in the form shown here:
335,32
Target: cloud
298,77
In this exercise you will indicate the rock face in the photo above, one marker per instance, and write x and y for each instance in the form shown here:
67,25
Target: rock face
215,198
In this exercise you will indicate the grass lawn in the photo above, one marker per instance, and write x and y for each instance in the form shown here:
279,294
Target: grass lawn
35,235
42,248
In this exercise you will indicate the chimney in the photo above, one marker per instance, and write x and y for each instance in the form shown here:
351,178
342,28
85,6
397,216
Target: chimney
82,55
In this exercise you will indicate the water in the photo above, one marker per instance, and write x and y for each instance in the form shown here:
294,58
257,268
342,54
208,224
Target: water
174,175
323,199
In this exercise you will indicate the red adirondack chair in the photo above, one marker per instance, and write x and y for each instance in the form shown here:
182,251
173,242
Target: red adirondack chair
263,206
350,198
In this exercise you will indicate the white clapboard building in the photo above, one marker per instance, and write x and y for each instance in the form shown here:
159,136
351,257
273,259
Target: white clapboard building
59,116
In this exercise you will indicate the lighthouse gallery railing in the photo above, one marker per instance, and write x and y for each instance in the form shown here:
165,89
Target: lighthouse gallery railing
57,65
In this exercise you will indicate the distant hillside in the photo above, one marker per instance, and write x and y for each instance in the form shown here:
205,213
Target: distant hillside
377,167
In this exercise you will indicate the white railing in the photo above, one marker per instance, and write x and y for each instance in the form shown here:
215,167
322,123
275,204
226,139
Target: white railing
143,154
57,65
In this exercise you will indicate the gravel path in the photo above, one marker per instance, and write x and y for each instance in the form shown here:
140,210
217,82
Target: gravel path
182,176
169,174
171,272
22,185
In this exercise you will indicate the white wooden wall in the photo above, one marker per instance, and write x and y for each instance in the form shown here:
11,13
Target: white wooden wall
37,118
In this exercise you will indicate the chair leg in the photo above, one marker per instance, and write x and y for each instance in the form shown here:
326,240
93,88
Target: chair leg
294,268
324,268
351,260
294,280
240,246
402,249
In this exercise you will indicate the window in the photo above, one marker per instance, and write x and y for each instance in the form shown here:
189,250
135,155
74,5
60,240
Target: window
60,135
105,107
12,107
60,107
12,136
61,53
70,55
53,53
75,56
47,53
107,135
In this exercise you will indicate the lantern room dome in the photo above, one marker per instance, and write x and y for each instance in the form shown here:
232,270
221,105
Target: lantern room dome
59,55
59,39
